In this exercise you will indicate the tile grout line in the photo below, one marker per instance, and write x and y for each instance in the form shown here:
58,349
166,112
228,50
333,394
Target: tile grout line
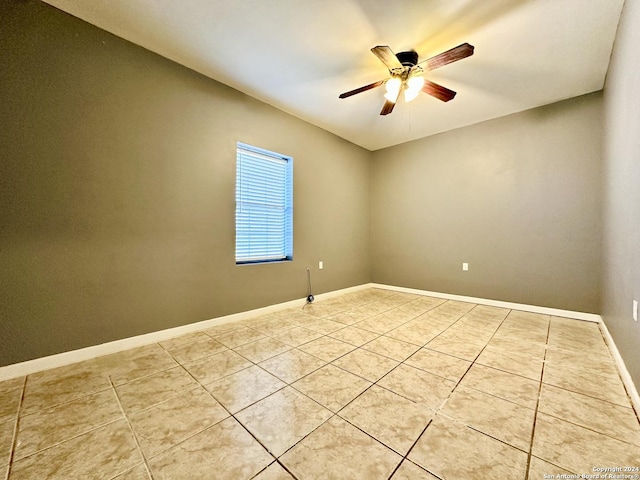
59,442
284,467
583,427
202,385
133,433
630,407
535,415
379,313
288,384
354,325
401,362
67,402
471,363
402,457
198,385
73,437
334,414
115,476
276,461
405,457
537,402
232,415
16,425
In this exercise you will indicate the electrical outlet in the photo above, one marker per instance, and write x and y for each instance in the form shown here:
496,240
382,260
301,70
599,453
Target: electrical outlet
320,265
635,310
465,267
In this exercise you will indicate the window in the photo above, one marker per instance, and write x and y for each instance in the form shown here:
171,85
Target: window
264,205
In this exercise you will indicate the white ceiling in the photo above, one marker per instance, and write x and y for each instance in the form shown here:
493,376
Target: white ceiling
299,55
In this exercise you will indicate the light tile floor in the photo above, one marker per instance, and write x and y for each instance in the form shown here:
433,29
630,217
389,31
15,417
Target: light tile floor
369,385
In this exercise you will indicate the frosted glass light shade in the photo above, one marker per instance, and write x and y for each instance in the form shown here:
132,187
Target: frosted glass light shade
414,85
393,86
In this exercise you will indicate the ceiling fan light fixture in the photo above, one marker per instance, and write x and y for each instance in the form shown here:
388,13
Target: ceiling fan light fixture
393,86
410,95
413,87
406,75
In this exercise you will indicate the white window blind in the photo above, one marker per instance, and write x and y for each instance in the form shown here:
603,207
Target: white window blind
264,205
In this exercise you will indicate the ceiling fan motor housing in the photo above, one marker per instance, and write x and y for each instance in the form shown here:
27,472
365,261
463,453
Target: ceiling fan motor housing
408,59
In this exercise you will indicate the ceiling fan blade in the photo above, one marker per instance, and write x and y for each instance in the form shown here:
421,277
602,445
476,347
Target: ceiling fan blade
438,91
386,56
361,89
387,108
457,53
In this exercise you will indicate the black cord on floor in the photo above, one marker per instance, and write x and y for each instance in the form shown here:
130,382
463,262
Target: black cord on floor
309,295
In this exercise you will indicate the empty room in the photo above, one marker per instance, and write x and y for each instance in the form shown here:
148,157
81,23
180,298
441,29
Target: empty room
351,239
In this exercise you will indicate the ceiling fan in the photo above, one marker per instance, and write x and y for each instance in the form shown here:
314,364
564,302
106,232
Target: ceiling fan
407,75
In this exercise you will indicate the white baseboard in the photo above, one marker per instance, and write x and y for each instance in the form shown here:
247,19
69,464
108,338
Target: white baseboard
66,358
73,356
632,391
589,317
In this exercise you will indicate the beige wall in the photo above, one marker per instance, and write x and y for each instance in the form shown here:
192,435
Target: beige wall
117,190
518,198
622,190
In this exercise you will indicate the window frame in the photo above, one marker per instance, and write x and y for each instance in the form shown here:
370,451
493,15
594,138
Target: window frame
251,161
